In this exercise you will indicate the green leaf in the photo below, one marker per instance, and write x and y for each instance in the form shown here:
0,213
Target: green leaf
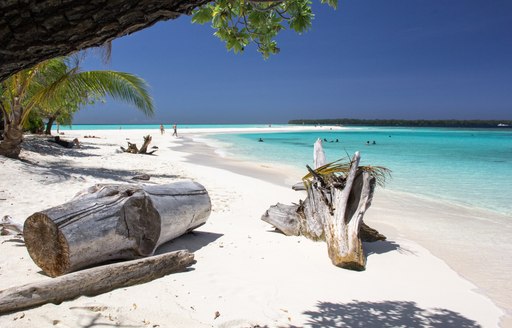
238,23
331,3
203,15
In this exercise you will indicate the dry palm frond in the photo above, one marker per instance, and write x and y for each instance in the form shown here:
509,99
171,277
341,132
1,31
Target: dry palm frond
340,169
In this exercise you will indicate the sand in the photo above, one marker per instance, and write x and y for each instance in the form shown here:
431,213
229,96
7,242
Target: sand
246,274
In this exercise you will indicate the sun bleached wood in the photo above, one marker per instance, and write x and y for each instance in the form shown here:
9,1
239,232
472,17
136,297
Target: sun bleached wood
133,149
112,222
334,213
93,281
319,154
284,218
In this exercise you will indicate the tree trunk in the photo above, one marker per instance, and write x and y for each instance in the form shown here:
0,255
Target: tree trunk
49,125
10,146
93,281
332,212
111,222
13,131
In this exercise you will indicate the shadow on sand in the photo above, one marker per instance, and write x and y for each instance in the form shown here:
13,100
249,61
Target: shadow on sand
191,241
382,247
384,314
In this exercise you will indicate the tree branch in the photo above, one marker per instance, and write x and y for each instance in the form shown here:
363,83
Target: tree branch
265,1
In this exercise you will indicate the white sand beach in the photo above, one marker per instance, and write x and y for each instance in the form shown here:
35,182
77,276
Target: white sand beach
423,275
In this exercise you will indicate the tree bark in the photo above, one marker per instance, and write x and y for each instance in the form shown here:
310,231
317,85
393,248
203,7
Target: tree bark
93,281
33,31
49,124
332,212
111,222
10,146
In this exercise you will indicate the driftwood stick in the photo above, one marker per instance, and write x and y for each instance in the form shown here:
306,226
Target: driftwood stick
93,281
316,175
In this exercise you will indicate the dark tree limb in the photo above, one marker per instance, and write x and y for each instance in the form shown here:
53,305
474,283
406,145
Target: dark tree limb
33,31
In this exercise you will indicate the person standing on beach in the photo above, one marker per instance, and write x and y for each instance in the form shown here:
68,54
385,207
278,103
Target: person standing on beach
175,129
162,129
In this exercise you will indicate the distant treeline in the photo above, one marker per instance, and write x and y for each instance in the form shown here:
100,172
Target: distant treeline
408,123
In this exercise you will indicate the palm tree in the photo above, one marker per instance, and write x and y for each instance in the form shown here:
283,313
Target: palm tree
56,84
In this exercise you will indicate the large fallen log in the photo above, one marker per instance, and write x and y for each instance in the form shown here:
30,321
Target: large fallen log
333,211
112,222
93,281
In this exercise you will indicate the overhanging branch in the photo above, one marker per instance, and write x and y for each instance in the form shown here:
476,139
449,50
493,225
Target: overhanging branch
33,31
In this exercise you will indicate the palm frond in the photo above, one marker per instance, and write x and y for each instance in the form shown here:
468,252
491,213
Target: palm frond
118,85
340,169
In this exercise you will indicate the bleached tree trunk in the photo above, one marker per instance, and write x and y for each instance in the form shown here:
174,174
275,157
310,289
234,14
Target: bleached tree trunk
342,225
334,213
111,222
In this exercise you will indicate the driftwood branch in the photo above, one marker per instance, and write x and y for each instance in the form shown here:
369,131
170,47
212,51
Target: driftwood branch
93,281
132,148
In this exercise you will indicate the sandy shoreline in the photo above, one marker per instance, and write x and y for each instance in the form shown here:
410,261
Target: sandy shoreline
249,274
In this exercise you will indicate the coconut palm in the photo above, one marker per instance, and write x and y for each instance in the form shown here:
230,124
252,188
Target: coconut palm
56,84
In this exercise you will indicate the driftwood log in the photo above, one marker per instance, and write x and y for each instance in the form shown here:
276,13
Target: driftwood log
112,222
132,148
332,211
93,281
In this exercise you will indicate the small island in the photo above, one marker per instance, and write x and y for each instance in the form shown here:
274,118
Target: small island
407,123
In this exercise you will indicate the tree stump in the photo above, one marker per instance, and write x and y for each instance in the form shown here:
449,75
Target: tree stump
112,222
132,148
332,211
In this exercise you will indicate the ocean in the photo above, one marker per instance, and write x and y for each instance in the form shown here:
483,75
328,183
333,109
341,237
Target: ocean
469,167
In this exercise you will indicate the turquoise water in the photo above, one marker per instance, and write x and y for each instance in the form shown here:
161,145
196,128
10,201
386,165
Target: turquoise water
471,167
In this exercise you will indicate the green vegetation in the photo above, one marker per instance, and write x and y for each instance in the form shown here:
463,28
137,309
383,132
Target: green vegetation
239,23
406,123
55,90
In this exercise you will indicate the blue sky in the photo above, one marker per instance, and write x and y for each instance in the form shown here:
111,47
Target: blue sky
403,59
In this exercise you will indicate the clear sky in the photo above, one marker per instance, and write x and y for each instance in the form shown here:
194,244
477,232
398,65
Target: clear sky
403,59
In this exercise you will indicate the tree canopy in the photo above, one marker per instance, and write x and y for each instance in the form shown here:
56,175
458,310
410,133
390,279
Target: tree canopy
239,23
